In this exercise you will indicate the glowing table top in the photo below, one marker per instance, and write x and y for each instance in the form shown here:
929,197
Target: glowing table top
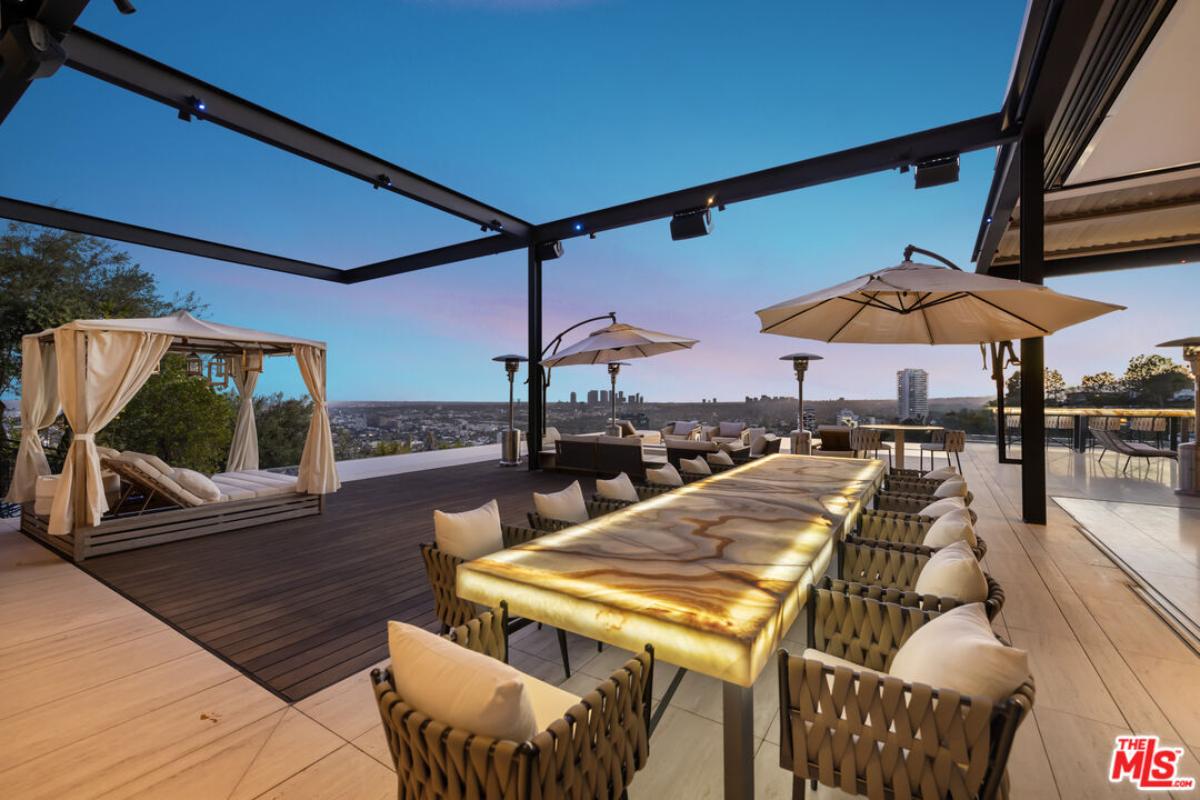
711,574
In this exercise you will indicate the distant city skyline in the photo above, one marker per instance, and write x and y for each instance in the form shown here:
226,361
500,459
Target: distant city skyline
662,118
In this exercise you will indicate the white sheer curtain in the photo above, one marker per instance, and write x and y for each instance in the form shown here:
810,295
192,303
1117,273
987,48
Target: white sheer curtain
99,372
318,468
243,450
39,409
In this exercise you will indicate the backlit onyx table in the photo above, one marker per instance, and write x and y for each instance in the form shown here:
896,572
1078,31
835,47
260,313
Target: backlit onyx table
711,574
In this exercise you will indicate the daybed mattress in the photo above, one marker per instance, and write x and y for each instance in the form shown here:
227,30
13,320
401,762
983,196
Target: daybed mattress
253,483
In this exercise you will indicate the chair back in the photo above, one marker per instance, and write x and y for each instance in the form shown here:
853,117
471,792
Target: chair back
772,445
616,454
955,441
1012,420
834,437
678,449
863,439
575,453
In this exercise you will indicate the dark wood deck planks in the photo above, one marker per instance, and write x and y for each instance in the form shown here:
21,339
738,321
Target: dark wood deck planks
302,604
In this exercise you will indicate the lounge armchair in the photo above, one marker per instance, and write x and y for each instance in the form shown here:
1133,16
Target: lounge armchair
897,566
592,750
874,734
451,610
1131,450
727,433
764,445
681,431
835,441
678,449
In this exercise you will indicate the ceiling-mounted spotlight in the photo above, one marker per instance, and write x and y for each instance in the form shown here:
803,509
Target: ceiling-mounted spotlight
381,181
936,171
193,105
548,251
690,224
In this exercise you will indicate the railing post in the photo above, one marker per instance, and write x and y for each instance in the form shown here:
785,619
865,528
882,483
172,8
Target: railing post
1033,361
536,410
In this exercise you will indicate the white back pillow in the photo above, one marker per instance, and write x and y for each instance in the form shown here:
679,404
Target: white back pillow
666,475
459,687
720,457
469,534
953,572
944,506
942,473
566,505
951,527
951,487
958,650
683,428
695,466
618,488
198,484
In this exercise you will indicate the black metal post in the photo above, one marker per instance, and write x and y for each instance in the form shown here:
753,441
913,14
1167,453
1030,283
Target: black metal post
536,409
1033,359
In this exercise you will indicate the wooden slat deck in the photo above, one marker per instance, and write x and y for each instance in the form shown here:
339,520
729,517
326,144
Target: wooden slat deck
301,604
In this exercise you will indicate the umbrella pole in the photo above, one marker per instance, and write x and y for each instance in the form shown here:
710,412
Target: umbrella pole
613,369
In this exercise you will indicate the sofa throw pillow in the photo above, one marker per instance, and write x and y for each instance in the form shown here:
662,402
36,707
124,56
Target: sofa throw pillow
469,534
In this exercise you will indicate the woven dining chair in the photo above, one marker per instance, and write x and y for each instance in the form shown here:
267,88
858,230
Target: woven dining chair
949,441
898,528
869,440
875,735
593,751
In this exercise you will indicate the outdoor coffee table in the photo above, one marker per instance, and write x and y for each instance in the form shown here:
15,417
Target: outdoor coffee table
898,431
711,574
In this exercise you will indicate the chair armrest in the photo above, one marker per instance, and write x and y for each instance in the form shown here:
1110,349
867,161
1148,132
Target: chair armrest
514,535
600,506
486,633
547,524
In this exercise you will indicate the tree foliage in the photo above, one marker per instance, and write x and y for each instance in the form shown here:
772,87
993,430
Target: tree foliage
182,420
282,428
1101,383
1053,385
1154,378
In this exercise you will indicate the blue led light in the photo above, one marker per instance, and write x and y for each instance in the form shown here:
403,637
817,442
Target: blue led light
200,106
578,226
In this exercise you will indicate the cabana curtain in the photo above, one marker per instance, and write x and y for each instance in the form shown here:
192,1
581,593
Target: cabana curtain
113,366
39,409
318,468
243,450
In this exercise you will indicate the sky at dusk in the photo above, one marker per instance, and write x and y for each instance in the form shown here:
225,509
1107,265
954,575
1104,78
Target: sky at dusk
546,109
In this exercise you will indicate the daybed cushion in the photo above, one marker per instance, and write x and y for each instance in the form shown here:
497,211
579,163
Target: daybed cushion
666,475
958,650
459,687
720,458
944,506
951,487
618,488
469,534
695,466
953,572
247,484
949,528
155,477
942,473
566,505
154,461
198,484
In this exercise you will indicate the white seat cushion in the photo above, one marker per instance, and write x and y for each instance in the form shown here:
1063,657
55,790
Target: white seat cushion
154,461
666,475
953,572
567,505
695,466
941,473
459,687
951,487
958,650
949,528
259,482
198,484
944,506
469,534
721,458
549,702
618,488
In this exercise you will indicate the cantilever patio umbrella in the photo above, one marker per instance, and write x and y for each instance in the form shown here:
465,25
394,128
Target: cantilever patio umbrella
915,303
614,343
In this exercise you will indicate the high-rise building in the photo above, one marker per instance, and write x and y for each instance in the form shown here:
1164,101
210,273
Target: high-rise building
573,401
912,394
621,396
593,396
604,395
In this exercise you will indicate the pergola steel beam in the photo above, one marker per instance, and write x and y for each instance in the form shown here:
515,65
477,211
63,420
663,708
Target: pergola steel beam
476,248
120,66
57,15
960,137
149,237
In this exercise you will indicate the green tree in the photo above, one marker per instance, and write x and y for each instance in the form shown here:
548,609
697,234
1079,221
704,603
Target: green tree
1100,383
1154,378
182,420
1053,385
282,424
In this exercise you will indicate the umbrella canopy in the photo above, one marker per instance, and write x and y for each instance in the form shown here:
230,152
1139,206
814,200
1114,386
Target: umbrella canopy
618,341
915,303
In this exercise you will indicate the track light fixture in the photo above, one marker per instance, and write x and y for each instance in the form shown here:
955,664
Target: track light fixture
548,251
936,171
381,181
692,223
192,106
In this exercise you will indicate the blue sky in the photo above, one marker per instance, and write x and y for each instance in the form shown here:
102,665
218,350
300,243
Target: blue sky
546,109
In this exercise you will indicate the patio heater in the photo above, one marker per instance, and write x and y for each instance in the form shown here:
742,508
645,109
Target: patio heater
801,439
614,368
1189,452
510,439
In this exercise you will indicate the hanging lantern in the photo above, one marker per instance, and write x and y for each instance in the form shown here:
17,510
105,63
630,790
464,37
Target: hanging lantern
195,367
218,372
252,361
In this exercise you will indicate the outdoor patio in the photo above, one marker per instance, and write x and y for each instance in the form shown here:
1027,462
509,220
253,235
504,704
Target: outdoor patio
154,714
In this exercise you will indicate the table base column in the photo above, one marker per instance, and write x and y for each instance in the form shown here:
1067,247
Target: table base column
738,717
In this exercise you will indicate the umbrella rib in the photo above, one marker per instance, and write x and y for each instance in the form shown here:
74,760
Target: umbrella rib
925,317
857,311
798,313
1006,311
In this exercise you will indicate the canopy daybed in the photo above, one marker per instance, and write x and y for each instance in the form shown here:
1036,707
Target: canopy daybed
90,370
